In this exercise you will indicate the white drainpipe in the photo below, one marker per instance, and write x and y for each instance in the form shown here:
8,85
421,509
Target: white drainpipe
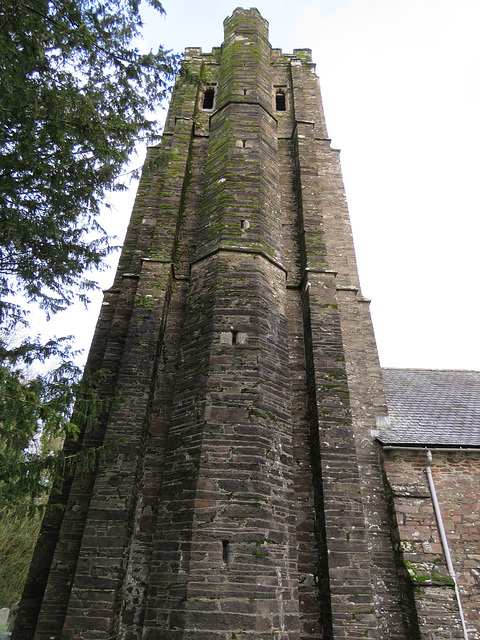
443,536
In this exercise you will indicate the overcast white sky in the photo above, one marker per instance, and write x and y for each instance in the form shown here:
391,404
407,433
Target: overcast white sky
401,90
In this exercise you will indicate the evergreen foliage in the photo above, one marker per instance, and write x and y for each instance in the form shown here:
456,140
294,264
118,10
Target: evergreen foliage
76,97
35,418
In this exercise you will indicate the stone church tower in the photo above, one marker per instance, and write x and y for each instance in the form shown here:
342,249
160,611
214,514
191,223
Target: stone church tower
246,500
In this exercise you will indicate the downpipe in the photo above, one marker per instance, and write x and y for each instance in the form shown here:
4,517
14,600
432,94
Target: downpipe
443,536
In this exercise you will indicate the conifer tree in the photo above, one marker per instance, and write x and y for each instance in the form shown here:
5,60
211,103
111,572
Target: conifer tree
76,96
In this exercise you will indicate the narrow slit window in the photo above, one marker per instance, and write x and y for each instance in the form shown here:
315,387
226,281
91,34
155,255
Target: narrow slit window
280,102
208,98
225,550
234,337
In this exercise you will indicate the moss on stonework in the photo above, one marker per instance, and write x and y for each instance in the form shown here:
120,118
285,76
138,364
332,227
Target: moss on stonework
428,573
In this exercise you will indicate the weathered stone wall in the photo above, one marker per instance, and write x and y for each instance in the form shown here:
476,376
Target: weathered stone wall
456,477
247,497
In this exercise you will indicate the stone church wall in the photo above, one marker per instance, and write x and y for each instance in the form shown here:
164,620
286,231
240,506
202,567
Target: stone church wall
457,481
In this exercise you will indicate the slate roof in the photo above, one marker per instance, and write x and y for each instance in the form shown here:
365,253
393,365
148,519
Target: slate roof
436,408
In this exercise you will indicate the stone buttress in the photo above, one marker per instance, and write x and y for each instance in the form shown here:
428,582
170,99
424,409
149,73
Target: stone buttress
246,500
